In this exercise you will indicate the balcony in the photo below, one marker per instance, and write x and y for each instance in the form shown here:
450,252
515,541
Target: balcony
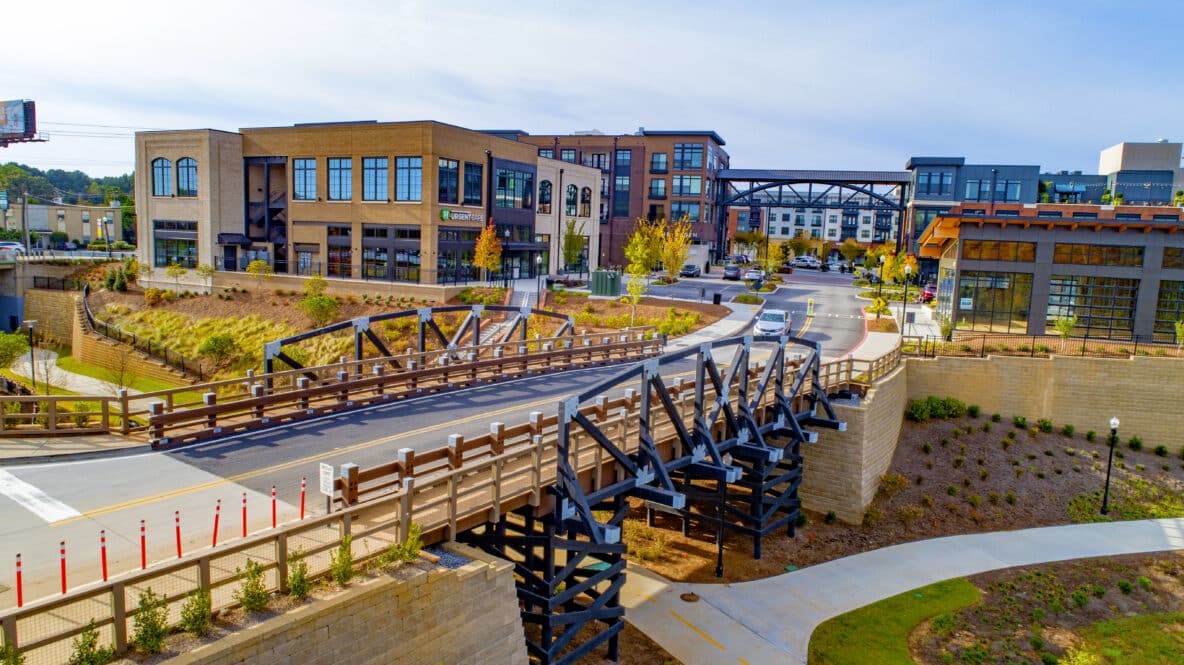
596,162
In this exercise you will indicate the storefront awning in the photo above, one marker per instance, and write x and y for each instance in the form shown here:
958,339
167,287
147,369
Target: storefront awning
234,239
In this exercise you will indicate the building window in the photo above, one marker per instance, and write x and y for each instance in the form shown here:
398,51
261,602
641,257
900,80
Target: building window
1097,255
547,153
658,162
657,188
624,159
799,220
992,250
1104,306
374,178
687,185
1169,309
1007,190
473,173
688,208
304,179
515,189
832,233
569,207
449,181
994,301
568,155
341,178
833,219
688,156
816,220
598,160
408,178
586,202
621,196
865,233
545,197
186,177
162,177
935,183
182,251
1173,257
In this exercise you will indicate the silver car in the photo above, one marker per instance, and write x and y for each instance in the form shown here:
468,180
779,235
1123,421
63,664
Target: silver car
772,322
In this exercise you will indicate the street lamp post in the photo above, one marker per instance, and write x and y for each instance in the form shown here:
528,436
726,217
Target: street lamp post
505,261
538,273
106,222
880,284
1109,463
904,304
29,323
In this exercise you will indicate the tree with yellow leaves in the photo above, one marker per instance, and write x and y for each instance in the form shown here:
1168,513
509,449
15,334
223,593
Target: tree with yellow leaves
487,255
676,245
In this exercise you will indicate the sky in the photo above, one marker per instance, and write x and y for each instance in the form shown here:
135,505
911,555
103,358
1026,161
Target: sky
790,84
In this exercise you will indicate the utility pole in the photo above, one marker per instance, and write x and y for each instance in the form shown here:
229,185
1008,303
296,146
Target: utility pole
25,218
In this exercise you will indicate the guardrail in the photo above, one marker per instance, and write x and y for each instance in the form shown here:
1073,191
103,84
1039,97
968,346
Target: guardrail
981,345
58,283
445,491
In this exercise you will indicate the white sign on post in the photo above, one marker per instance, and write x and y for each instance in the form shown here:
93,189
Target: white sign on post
326,479
965,303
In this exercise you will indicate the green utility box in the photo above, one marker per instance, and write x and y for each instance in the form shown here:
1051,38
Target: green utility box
606,283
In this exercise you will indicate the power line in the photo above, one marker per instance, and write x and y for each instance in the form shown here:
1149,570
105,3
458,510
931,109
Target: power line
82,124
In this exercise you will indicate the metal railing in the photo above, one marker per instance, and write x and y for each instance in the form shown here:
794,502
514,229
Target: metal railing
59,283
981,345
170,357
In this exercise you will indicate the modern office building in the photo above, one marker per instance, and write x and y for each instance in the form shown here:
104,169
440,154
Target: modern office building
387,202
1017,268
80,224
652,174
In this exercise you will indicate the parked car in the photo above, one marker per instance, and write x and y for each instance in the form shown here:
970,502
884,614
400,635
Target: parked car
772,322
928,292
690,270
732,272
754,274
785,268
11,246
806,262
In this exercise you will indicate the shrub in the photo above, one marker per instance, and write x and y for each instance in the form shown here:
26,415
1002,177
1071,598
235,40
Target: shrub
1080,598
802,520
973,410
298,583
974,500
1161,451
86,650
1009,498
1144,583
252,593
944,442
872,516
321,309
1099,591
927,447
1125,586
909,513
341,562
1006,443
1067,430
926,501
1091,436
893,482
219,347
983,474
966,482
196,613
408,551
952,489
953,407
10,656
993,498
1020,422
830,517
150,625
1045,425
987,427
995,417
918,411
152,296
958,461
1136,443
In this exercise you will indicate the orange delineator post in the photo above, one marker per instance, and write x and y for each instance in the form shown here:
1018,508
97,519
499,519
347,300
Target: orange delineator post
20,587
177,516
62,552
217,515
103,550
143,547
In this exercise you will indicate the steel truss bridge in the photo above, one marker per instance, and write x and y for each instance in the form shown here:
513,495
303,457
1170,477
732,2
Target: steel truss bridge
832,190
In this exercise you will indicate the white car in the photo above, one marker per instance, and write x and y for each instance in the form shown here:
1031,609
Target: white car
11,246
772,322
807,262
754,274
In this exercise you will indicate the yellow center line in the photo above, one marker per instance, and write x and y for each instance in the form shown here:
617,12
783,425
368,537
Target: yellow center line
692,626
743,662
809,321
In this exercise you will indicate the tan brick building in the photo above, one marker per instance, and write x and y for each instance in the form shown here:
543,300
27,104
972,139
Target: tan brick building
82,224
389,202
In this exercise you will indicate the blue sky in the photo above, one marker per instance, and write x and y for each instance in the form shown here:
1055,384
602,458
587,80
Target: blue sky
858,85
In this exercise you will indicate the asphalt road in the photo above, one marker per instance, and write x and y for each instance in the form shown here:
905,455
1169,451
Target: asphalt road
43,504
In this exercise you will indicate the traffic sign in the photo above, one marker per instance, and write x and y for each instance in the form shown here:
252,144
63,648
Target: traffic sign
326,479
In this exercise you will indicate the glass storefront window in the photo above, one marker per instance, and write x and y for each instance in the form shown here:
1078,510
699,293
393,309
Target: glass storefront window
994,301
1169,309
1104,306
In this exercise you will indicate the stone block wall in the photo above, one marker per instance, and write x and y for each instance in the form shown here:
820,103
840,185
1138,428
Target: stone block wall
53,311
841,472
467,616
1144,392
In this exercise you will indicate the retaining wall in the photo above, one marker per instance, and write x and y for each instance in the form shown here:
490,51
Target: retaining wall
458,617
53,311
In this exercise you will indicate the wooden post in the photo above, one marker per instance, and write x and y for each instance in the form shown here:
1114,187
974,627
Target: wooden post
125,421
349,477
119,616
343,380
281,560
405,508
455,454
256,393
156,426
497,432
302,387
379,371
211,399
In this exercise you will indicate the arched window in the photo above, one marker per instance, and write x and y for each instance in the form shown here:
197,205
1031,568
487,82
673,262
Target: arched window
545,197
162,177
573,193
586,202
186,177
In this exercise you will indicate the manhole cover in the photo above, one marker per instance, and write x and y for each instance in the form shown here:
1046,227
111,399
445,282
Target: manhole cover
690,597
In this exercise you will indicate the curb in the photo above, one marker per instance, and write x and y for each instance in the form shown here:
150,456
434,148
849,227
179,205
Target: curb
74,457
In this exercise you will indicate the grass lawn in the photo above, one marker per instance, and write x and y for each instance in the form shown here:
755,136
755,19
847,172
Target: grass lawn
53,390
878,634
1151,639
142,383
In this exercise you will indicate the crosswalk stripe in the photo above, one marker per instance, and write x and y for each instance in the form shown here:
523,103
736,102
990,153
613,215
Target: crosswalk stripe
34,500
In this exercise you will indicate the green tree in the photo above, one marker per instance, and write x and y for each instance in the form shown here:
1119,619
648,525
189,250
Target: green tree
1179,335
321,309
206,272
12,346
219,347
487,255
1064,326
260,270
573,243
176,271
676,245
749,242
799,244
644,248
850,249
315,286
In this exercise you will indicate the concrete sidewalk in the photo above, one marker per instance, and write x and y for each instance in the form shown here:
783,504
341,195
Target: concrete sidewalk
60,378
769,622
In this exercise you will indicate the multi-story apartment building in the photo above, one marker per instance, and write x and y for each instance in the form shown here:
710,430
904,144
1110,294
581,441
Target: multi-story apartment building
385,202
652,174
833,225
81,224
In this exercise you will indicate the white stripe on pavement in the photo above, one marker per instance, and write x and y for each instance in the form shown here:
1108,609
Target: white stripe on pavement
34,500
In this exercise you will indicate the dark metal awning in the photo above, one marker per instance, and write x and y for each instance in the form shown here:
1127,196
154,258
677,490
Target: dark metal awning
233,239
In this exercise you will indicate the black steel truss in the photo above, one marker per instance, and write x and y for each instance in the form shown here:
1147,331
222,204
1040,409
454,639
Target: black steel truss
742,460
468,334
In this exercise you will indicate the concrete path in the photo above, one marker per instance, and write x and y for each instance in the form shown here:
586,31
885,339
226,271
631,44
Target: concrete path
60,378
769,622
729,326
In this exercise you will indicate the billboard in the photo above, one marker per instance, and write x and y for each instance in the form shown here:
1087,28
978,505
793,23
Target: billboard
17,120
